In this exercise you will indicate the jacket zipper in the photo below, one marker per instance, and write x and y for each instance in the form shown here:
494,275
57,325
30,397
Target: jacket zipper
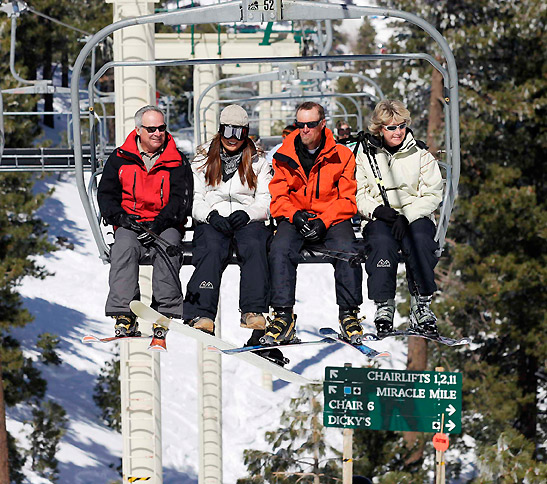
318,178
134,194
161,191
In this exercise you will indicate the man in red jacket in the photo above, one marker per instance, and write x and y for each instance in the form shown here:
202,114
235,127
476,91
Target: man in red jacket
148,183
313,199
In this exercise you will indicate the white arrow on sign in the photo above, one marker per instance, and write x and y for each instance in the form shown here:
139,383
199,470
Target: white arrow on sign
332,389
334,373
450,425
451,409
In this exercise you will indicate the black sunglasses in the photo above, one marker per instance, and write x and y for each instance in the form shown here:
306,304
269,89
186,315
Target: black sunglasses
344,130
310,124
152,129
393,127
238,132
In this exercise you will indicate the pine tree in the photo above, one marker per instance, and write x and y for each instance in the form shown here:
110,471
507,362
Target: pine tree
49,425
298,446
106,394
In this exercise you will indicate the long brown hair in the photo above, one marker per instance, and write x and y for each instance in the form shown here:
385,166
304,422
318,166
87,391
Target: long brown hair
213,172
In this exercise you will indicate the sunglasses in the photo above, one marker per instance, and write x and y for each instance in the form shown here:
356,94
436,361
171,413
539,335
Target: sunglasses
344,130
238,132
152,129
310,124
393,127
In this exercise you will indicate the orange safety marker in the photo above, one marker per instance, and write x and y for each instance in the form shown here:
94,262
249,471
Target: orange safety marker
440,442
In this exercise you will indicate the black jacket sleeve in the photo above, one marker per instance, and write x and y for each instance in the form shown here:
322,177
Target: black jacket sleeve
181,195
109,194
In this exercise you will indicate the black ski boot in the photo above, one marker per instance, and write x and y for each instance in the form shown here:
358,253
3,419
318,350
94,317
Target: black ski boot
422,318
126,325
383,318
274,354
350,325
281,329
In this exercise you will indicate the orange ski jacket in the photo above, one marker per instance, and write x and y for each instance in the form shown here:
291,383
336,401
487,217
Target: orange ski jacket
328,192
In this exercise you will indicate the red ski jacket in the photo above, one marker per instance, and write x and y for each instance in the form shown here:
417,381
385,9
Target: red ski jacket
328,191
166,189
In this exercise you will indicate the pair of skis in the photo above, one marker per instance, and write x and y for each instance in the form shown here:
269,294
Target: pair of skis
248,353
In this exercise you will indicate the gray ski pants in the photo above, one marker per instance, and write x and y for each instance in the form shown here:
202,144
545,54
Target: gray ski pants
126,255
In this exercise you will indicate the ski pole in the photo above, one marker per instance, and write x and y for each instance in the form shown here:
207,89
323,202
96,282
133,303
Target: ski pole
354,258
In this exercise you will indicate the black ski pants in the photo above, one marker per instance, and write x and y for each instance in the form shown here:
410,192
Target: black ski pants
126,255
285,255
212,251
418,248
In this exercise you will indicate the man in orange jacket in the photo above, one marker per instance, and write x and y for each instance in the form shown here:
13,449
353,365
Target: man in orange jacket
313,200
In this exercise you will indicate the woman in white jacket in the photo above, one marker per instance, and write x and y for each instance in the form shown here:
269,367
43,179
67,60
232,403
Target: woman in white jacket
413,188
231,206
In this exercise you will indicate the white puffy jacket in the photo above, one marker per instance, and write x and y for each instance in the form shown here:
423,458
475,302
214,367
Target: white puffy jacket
412,179
227,197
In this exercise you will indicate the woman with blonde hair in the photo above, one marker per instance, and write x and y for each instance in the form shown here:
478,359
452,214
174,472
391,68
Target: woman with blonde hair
231,206
399,186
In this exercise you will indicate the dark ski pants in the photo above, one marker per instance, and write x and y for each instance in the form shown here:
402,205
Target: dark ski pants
212,251
126,255
418,247
285,254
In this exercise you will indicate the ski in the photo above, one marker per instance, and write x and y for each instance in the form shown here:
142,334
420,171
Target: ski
367,351
146,312
439,339
89,338
158,344
244,349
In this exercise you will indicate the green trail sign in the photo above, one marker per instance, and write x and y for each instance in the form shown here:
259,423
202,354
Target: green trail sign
369,398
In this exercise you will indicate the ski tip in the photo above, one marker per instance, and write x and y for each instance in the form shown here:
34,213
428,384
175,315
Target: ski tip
89,339
214,349
384,354
157,348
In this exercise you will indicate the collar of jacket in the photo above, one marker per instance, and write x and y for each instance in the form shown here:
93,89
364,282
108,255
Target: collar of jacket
169,157
408,143
287,152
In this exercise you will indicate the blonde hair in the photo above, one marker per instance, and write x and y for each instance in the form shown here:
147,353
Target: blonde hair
388,110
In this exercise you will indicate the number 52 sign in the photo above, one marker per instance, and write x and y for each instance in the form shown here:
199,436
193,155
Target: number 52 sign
261,10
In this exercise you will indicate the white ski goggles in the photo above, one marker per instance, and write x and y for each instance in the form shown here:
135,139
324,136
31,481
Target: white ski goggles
238,132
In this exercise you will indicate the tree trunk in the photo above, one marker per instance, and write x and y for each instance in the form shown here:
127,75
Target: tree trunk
417,347
4,456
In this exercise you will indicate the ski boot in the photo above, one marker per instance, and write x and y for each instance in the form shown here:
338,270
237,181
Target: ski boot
158,338
274,354
126,325
281,329
253,321
383,317
204,324
350,325
422,318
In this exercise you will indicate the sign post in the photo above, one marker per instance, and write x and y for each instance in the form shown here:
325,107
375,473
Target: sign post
399,400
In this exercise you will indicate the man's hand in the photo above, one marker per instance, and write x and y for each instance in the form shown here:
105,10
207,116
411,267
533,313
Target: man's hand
386,214
156,226
239,219
220,223
317,231
301,221
399,227
126,220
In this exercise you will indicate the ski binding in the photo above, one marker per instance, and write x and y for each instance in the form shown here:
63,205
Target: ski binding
439,339
367,351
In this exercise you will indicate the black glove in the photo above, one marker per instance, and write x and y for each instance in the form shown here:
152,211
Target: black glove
399,227
317,231
386,214
126,220
157,226
239,219
301,221
220,223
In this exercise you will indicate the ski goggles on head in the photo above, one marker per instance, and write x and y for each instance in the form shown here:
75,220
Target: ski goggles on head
238,132
309,124
393,127
152,129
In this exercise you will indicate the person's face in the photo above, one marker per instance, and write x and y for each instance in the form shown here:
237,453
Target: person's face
311,137
344,131
396,137
152,142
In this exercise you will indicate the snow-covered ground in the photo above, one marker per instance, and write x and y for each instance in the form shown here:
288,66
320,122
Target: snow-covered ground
70,303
